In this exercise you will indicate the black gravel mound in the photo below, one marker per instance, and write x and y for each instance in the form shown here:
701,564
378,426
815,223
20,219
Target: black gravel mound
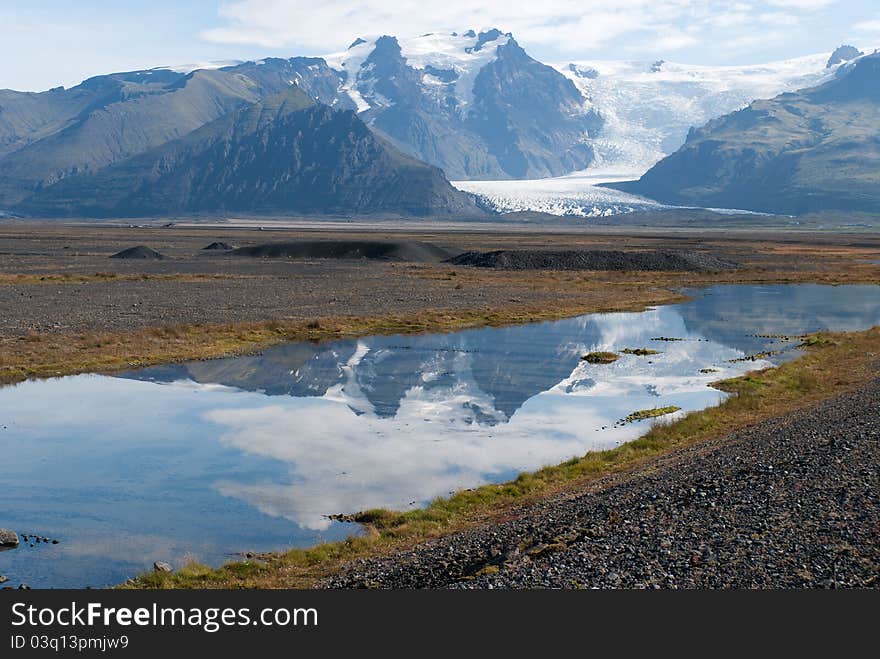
139,252
592,260
348,249
219,246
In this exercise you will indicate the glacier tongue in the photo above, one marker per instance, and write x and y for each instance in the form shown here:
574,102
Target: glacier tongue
575,195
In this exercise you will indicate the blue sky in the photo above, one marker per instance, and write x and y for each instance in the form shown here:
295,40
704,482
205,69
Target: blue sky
45,43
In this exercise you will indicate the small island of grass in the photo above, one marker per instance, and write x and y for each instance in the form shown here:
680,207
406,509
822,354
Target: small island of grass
641,352
600,357
641,415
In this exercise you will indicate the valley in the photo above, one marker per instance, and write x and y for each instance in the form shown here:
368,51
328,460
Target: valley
453,310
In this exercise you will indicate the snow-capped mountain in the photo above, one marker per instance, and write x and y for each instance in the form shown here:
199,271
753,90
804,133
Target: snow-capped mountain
810,151
479,107
449,64
476,105
647,110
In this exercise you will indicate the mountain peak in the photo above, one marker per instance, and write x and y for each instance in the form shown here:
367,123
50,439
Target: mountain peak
489,36
854,80
282,154
843,53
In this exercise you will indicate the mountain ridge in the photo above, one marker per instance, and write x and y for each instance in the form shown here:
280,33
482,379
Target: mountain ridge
808,151
283,154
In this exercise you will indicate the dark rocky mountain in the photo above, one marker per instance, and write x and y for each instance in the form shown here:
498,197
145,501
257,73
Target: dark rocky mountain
47,136
283,154
843,54
816,149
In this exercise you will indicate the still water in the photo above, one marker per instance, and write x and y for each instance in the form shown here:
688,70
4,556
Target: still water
207,459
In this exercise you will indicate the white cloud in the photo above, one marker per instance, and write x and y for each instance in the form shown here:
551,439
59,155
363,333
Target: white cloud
560,25
779,18
672,39
566,25
807,5
872,26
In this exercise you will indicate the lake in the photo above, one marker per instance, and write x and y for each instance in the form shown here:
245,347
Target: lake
208,459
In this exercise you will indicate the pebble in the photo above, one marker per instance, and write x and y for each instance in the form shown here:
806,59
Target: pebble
8,538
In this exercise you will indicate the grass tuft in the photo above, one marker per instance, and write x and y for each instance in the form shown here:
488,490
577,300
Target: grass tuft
654,412
600,357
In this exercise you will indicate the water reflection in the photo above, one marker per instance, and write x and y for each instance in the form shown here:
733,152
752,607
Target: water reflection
208,458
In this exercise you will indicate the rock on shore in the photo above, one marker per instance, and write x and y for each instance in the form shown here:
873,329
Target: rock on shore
8,538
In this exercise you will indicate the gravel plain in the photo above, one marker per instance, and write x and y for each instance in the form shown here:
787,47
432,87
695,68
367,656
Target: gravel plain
192,284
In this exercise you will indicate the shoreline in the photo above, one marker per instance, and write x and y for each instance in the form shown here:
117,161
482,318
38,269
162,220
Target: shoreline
833,364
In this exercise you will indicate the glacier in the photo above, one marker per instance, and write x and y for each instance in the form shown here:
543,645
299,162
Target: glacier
647,110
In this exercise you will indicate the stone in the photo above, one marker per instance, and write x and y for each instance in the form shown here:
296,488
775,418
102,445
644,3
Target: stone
160,566
8,538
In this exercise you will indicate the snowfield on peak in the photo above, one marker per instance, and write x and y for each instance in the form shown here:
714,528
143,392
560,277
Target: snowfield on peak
444,59
199,66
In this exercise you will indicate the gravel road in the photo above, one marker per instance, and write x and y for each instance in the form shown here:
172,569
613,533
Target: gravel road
790,503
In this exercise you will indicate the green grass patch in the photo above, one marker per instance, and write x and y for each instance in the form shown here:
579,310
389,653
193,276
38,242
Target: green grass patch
640,352
601,357
654,412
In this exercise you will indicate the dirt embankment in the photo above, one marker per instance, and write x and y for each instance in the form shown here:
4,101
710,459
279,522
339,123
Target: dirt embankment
383,250
538,259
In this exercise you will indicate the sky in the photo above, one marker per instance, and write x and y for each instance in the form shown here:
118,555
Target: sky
46,43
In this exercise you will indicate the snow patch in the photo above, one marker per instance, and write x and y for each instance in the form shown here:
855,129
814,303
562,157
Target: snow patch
198,66
350,62
456,53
